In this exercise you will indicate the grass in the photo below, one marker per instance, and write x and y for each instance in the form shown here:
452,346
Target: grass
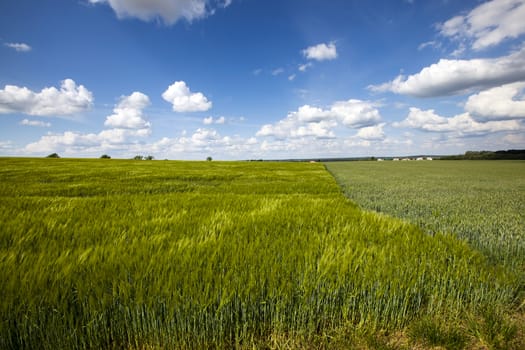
114,254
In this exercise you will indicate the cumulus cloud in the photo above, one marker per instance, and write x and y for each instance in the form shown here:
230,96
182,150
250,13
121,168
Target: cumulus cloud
488,24
448,77
203,142
321,52
68,100
37,123
169,11
291,127
128,113
183,100
374,132
20,47
462,124
499,103
356,113
310,121
72,142
204,136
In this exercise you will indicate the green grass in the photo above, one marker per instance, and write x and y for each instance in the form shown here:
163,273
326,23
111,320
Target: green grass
113,254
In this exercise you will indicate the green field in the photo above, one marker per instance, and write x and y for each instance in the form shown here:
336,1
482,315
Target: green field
482,202
115,254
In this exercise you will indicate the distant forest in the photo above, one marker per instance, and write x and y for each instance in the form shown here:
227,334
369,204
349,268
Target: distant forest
489,155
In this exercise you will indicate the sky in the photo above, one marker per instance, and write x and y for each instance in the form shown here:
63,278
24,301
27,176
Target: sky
261,79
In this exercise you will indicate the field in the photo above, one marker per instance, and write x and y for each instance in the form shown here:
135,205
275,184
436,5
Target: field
482,202
115,254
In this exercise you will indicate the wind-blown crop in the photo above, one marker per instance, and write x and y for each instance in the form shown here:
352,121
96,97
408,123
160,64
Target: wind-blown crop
125,254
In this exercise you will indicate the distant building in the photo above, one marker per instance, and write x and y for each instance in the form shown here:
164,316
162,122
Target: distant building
380,159
396,159
429,158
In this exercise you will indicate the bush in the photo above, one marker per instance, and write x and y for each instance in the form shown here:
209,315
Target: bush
53,155
105,156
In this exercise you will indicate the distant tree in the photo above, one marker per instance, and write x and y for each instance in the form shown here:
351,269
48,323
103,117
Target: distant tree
53,155
105,156
209,159
138,157
149,157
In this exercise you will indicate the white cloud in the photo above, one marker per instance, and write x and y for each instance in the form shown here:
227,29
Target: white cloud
304,67
169,11
291,127
309,121
462,124
20,47
291,77
498,103
488,24
128,113
210,120
374,132
204,142
356,113
184,100
73,142
70,99
432,44
321,52
204,136
449,77
37,123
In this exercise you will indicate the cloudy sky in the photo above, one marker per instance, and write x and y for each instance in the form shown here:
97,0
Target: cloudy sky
250,79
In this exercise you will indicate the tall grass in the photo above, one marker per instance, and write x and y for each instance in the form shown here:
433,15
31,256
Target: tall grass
126,254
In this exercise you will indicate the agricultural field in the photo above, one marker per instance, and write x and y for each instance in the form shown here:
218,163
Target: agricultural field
482,202
122,254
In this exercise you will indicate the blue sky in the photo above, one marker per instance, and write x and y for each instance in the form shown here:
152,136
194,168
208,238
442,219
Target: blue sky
250,79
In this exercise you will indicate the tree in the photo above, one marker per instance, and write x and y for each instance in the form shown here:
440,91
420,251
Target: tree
149,157
105,156
53,155
138,157
209,159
